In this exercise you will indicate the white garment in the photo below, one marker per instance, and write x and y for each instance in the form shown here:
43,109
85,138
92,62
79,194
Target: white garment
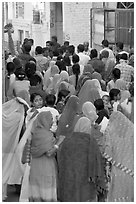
115,105
111,55
126,106
83,59
55,115
104,124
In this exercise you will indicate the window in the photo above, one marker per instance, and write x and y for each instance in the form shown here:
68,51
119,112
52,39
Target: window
20,35
20,10
125,5
26,34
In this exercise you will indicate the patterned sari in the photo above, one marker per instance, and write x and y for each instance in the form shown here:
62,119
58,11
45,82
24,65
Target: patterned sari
119,150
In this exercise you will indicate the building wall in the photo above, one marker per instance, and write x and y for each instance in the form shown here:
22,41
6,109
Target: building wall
76,22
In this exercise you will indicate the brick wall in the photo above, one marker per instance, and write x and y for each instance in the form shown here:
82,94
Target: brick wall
76,21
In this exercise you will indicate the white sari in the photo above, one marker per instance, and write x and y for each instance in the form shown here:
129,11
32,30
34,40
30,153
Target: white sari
12,122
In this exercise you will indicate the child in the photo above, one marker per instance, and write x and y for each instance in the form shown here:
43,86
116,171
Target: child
115,75
36,100
107,105
115,96
50,102
103,117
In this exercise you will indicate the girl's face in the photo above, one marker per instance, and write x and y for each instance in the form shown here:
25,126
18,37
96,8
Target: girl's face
38,102
118,96
106,100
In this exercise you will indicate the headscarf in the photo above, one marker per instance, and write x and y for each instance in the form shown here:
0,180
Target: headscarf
87,93
87,107
89,111
54,70
42,138
64,76
120,84
97,76
96,84
88,68
69,116
119,145
67,86
83,125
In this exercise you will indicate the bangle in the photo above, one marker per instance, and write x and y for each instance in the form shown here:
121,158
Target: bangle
56,146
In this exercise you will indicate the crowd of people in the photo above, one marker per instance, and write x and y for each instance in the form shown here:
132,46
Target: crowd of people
68,123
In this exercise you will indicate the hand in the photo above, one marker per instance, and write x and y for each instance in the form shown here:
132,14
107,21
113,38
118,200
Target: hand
51,152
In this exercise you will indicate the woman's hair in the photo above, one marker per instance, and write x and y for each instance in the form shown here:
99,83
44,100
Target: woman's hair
10,67
99,105
33,95
20,74
76,72
50,99
35,80
30,69
113,93
61,65
116,73
67,61
75,58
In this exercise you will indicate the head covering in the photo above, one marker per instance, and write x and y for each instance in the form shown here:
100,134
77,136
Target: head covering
43,120
119,145
64,76
97,76
25,96
67,120
87,93
54,70
88,68
120,84
83,125
42,138
87,107
124,95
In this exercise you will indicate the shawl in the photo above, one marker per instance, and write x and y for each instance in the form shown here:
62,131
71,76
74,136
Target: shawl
80,168
42,138
54,70
83,78
69,117
67,86
97,76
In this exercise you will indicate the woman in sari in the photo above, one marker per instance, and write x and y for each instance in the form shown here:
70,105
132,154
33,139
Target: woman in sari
119,150
13,113
81,173
43,170
87,93
69,117
121,85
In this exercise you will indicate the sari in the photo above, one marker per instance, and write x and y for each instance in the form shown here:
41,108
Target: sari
12,122
42,179
96,84
69,117
83,78
81,173
64,76
87,93
47,75
119,149
67,86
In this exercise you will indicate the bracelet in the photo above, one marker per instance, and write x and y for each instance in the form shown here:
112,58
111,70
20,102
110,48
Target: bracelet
56,146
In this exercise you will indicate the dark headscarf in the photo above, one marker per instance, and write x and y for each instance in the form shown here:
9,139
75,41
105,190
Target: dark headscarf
68,118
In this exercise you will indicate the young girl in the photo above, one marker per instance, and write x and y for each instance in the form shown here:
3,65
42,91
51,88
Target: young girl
36,100
107,105
115,96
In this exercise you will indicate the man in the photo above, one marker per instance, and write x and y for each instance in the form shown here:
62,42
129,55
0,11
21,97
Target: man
41,61
127,71
96,63
83,58
54,44
105,45
86,48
